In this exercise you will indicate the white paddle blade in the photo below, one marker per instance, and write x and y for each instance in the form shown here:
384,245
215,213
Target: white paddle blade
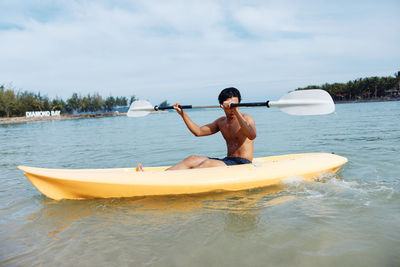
305,102
140,108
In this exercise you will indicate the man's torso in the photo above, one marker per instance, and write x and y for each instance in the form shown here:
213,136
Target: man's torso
238,145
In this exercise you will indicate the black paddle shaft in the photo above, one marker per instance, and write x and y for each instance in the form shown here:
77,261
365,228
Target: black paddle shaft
171,107
254,104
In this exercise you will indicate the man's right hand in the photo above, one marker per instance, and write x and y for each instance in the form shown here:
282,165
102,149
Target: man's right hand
178,109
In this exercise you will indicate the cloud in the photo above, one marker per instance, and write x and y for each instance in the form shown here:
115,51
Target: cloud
172,50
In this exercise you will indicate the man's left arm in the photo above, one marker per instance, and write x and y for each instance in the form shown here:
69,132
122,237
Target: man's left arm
246,123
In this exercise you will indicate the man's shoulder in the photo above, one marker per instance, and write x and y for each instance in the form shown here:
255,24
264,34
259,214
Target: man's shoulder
220,120
247,116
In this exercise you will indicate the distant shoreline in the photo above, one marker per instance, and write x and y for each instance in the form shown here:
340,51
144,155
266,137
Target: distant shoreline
16,120
366,100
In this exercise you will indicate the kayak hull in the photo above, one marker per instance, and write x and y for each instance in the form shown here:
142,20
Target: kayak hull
127,182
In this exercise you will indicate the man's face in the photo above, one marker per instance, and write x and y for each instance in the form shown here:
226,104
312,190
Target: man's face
229,111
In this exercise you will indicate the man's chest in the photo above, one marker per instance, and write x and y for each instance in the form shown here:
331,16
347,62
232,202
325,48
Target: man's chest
231,131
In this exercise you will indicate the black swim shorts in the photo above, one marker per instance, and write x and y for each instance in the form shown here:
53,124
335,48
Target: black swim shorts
233,160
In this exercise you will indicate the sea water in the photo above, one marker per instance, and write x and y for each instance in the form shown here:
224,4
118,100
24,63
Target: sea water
348,219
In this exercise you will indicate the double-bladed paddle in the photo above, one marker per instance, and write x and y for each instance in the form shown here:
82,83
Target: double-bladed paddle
302,102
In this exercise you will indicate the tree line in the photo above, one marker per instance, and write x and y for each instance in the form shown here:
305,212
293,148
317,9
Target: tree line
363,88
17,103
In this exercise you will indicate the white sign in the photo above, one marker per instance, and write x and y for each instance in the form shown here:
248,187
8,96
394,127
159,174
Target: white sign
31,114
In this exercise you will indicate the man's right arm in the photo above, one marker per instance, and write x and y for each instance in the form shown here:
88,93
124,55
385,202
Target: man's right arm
197,130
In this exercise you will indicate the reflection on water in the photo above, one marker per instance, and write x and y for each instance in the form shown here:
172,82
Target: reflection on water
240,208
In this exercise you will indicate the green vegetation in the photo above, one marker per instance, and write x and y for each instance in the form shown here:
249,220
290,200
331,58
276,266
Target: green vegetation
16,103
372,88
164,104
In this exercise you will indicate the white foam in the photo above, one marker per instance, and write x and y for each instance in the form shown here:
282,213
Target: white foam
292,180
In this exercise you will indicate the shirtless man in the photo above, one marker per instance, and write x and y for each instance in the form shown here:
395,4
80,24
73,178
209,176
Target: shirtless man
238,130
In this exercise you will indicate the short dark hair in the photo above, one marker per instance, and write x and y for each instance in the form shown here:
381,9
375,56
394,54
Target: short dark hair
228,93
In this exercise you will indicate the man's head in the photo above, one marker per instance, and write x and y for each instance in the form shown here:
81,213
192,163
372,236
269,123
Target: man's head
228,93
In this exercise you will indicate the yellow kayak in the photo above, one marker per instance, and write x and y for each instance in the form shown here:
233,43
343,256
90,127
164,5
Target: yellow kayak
127,182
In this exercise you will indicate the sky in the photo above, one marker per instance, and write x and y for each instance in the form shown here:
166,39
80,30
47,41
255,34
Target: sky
187,51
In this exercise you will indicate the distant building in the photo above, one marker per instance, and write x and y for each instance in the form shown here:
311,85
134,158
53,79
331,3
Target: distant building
121,109
394,93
